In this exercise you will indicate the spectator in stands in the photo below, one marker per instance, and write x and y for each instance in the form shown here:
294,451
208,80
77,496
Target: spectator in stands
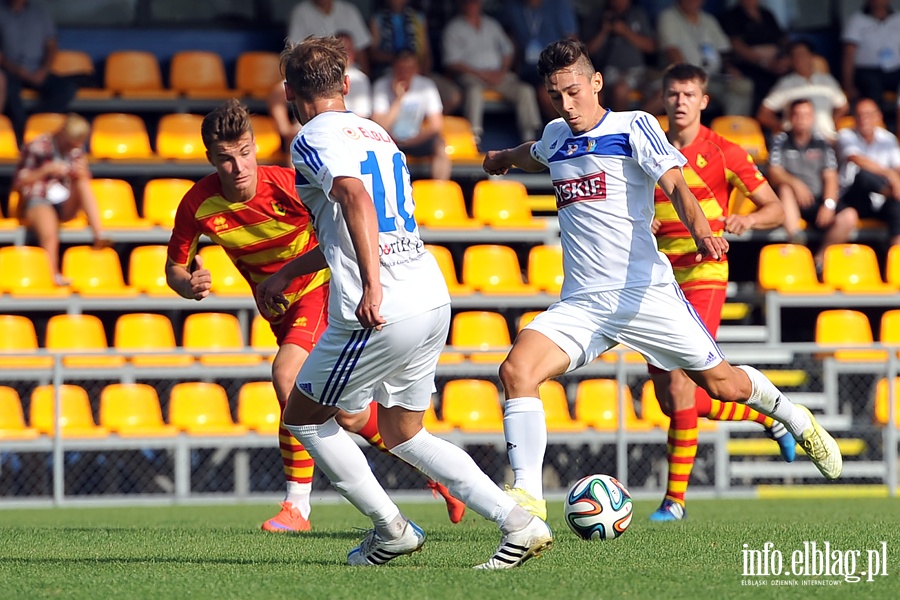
687,34
328,17
758,45
479,54
618,45
28,38
821,89
397,26
54,182
358,100
869,159
871,57
803,169
408,106
533,24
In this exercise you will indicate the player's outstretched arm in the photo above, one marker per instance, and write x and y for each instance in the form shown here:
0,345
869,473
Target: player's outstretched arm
499,162
362,225
269,293
688,208
193,285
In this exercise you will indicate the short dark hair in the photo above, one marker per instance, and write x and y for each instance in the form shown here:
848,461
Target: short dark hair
564,54
801,44
405,52
798,102
686,72
315,67
228,122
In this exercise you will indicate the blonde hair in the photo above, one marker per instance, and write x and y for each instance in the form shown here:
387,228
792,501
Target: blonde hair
75,127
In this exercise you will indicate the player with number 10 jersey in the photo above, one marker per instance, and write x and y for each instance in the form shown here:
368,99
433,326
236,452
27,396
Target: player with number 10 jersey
341,144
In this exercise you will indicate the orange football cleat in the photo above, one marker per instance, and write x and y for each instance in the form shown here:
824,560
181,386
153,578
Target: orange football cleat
455,508
289,520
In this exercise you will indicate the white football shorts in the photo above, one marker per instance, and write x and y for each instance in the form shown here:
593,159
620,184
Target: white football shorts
656,321
348,368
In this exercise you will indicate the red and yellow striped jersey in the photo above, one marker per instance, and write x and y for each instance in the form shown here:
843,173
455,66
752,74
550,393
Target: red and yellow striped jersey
259,236
714,167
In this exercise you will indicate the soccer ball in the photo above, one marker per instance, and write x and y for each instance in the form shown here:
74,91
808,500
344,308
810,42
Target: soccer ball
598,507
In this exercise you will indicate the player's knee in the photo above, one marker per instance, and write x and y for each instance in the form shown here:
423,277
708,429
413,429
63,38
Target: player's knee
352,422
514,376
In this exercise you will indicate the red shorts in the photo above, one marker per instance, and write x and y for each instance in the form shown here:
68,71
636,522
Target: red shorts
708,303
305,320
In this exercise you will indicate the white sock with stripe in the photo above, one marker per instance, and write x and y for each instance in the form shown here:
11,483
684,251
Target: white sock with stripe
346,467
767,399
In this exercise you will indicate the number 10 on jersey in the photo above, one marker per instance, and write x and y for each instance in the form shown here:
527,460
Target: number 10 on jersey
371,167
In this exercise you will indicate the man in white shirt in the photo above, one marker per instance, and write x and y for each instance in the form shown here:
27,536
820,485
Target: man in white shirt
687,34
869,159
618,287
409,106
388,319
821,89
479,54
871,56
327,17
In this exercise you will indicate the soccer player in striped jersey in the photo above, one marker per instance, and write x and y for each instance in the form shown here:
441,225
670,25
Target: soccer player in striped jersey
714,168
618,287
254,213
389,316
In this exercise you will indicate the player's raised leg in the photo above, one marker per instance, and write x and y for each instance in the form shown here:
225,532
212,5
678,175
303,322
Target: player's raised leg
716,410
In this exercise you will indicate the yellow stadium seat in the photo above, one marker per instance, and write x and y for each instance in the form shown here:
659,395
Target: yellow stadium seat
503,203
199,74
9,146
556,408
472,405
853,268
178,137
202,409
892,269
145,332
663,122
74,334
789,268
67,63
445,262
75,418
40,123
847,328
651,411
482,334
147,271
226,279
882,402
597,405
135,74
493,269
95,272
256,73
459,139
745,132
10,222
526,318
431,423
258,407
261,336
120,136
545,268
116,203
12,419
890,328
629,356
18,344
268,140
161,200
133,410
25,272
440,204
217,332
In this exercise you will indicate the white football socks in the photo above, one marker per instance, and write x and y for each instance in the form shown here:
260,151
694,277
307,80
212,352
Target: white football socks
346,467
525,429
451,466
767,399
298,495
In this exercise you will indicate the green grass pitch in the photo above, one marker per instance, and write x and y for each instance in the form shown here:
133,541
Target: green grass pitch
219,552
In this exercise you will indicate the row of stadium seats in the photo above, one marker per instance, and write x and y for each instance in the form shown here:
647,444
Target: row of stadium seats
25,271
120,136
848,328
850,268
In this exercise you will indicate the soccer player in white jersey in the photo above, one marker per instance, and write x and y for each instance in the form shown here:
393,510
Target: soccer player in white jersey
389,315
618,287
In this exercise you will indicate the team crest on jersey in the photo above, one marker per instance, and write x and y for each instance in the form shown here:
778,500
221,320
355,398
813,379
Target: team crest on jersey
351,133
571,149
591,144
279,209
220,223
701,161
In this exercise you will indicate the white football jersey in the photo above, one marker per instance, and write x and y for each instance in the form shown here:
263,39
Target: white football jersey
342,144
604,181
